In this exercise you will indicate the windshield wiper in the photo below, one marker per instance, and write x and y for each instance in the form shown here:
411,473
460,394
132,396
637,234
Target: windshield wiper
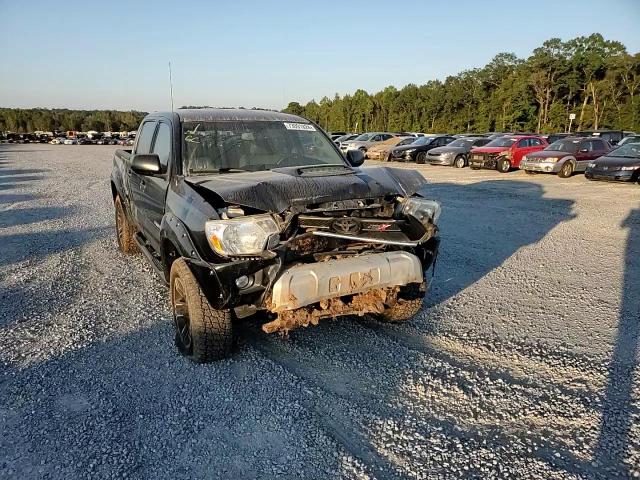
218,170
323,165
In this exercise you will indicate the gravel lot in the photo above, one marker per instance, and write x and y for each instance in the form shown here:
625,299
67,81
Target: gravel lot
522,363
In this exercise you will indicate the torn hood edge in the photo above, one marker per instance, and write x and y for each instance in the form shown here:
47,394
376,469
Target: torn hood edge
276,191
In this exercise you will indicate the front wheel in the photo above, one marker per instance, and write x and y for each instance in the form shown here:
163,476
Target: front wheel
421,158
459,162
203,334
404,308
567,170
504,165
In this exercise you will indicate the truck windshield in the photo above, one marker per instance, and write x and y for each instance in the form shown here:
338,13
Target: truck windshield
253,146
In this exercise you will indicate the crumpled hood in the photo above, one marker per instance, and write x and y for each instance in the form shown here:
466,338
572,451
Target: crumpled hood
276,190
489,149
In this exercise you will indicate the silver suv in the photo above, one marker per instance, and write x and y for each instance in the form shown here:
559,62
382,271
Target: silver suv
366,140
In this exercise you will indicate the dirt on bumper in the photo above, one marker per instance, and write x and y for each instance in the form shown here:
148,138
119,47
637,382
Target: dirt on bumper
305,293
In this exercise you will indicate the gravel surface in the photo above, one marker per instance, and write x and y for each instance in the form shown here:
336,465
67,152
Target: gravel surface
522,363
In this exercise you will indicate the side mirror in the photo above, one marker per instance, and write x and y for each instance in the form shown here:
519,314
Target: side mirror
355,157
146,164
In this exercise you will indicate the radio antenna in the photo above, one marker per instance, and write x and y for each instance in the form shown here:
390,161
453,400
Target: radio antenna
170,86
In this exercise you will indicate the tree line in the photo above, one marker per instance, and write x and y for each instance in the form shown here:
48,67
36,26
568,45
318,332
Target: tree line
21,120
594,78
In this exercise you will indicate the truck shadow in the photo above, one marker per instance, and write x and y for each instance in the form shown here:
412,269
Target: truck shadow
480,231
614,441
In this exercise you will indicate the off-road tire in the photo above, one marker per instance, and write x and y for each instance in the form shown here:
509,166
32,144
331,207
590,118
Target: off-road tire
211,329
404,308
125,231
459,162
504,165
401,311
567,170
421,158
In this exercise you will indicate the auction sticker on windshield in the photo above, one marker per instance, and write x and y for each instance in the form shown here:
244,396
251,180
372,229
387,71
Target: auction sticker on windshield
299,126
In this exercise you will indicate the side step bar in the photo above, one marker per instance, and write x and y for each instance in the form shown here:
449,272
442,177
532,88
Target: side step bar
157,266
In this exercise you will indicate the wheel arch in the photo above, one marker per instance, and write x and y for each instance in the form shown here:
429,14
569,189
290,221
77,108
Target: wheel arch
175,242
569,158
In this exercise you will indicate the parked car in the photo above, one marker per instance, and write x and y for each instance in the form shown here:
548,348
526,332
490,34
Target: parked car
505,153
57,141
85,141
611,136
382,150
621,164
335,135
553,137
417,150
238,216
366,140
456,153
70,141
345,138
566,156
629,139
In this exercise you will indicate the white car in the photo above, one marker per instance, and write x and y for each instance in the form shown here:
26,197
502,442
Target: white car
70,141
56,141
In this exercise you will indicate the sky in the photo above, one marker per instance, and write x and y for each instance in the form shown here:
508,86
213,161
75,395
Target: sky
261,53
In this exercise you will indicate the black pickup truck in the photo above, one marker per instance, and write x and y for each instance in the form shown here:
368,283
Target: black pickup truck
247,211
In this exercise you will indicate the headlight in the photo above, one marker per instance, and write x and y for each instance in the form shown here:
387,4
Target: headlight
591,165
422,209
241,236
551,159
410,150
630,167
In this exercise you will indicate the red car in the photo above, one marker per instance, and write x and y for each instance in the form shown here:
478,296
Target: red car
505,153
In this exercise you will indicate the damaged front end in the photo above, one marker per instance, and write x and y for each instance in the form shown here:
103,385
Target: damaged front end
328,259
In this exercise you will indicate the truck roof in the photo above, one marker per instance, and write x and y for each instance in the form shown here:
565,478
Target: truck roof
229,114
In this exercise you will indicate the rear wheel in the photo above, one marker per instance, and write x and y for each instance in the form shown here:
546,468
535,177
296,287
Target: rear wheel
125,231
459,162
504,165
567,170
421,158
203,334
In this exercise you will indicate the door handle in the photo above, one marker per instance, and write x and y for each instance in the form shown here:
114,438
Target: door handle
143,185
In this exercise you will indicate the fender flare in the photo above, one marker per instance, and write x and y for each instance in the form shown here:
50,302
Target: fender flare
175,241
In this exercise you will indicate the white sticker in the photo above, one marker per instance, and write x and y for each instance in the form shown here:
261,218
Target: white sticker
299,126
